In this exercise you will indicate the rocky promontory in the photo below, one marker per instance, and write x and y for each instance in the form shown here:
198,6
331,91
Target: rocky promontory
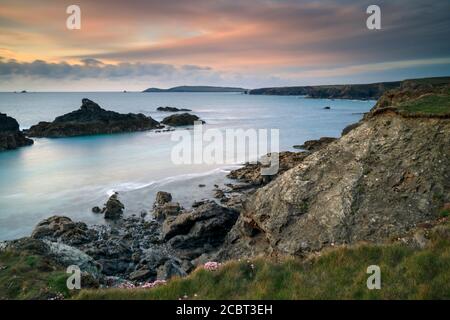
91,119
10,135
184,119
382,178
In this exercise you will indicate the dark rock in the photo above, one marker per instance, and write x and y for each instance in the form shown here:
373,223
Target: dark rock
113,208
196,203
327,108
200,230
166,210
172,109
314,145
201,185
92,119
349,128
162,197
184,119
96,210
170,269
140,275
10,135
63,228
219,194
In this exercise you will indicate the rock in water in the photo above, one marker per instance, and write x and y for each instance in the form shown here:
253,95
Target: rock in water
162,197
92,119
10,135
114,208
171,109
184,119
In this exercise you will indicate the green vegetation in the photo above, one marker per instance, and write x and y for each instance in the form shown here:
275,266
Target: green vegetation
445,213
27,276
406,273
434,104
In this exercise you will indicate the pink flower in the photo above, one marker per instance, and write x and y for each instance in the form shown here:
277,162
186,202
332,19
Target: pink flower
211,266
149,285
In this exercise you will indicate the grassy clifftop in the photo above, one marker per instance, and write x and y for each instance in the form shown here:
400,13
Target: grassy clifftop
407,272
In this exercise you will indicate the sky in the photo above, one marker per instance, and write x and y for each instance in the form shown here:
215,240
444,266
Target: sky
136,44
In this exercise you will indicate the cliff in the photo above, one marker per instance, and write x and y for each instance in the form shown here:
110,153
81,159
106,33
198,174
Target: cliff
388,174
371,91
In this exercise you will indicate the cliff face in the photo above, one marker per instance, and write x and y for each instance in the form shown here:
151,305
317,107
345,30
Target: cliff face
10,135
371,91
382,178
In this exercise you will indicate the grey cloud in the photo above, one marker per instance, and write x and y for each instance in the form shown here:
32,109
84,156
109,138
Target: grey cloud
93,68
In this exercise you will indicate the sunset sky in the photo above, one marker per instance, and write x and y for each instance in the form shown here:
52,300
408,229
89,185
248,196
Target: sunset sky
136,44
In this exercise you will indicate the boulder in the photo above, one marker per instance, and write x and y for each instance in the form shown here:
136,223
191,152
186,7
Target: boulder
141,275
162,197
166,210
114,208
184,119
92,119
170,269
60,228
200,230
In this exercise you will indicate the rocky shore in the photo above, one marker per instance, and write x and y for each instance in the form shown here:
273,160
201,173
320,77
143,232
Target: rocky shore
384,177
91,119
10,135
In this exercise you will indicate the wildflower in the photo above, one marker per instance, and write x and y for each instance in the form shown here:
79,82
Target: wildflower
211,266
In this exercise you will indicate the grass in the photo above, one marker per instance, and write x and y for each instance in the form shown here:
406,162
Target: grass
434,104
27,276
340,273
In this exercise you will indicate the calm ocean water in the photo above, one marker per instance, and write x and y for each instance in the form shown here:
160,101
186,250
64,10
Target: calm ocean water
69,176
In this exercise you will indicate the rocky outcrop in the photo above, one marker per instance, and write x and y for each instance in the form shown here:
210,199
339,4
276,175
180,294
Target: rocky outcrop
10,135
113,208
200,230
184,119
314,145
172,109
381,179
91,119
251,172
64,229
164,207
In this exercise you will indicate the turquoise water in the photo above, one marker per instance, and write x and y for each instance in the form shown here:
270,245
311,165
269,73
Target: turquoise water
69,176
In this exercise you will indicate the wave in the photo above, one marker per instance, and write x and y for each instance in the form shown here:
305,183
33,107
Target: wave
132,186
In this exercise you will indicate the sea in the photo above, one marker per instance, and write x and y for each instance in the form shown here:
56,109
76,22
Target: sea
69,176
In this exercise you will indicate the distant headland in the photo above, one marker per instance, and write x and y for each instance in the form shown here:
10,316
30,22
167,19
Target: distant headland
197,89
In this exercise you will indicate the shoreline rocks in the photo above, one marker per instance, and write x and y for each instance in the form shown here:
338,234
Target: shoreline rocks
183,119
172,109
10,135
91,119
